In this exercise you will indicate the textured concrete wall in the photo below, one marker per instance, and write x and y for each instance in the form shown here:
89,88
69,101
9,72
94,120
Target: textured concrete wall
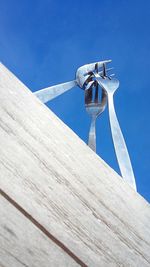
61,205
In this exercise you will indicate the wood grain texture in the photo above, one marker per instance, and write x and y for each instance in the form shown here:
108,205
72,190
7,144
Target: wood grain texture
22,244
65,186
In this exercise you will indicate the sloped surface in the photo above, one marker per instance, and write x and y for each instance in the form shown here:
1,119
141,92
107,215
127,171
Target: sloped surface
23,244
49,172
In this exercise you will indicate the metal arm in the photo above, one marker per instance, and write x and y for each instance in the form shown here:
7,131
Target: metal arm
51,92
120,146
92,134
110,85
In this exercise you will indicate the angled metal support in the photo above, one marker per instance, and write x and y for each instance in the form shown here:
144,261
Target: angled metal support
110,86
51,92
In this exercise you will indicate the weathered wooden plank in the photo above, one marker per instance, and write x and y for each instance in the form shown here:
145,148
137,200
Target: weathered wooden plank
23,244
67,188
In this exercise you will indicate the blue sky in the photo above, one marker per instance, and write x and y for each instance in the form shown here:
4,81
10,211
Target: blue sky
44,42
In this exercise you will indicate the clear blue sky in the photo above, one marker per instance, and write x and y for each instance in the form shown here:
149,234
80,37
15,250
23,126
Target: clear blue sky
44,42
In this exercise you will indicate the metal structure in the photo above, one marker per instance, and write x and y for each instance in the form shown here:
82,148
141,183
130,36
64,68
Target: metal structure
98,88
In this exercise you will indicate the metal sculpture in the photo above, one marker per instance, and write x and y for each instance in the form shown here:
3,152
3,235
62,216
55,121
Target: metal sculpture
82,75
93,79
